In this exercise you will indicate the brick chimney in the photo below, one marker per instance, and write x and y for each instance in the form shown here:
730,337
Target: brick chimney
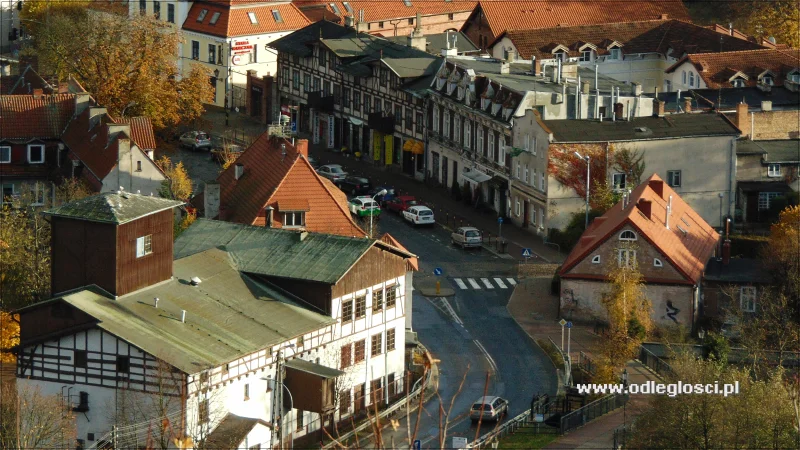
37,93
301,145
537,66
726,252
742,122
646,207
658,108
687,104
657,186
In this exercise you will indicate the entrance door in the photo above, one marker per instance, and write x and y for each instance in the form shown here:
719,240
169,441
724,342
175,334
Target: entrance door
526,214
445,163
408,161
360,400
255,102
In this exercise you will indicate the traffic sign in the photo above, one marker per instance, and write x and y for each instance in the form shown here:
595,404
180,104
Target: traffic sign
569,324
438,271
562,322
294,127
526,253
499,220
539,418
417,444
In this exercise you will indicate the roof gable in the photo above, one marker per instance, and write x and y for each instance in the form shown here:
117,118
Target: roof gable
688,243
113,207
35,116
717,69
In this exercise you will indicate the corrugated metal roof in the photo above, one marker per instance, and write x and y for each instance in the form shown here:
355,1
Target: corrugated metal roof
228,315
113,207
323,258
641,128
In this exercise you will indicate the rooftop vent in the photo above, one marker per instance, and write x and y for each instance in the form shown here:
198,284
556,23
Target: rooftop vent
155,302
195,281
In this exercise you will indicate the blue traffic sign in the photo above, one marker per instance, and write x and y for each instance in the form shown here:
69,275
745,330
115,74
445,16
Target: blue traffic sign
499,220
526,253
569,324
417,444
438,271
294,127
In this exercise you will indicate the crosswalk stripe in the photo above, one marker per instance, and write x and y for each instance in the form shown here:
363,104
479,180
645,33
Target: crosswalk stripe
473,283
511,281
460,283
487,283
500,283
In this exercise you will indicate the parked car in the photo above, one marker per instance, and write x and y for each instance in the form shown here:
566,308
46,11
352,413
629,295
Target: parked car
355,186
467,237
493,409
364,206
332,172
401,203
382,199
196,140
419,215
313,161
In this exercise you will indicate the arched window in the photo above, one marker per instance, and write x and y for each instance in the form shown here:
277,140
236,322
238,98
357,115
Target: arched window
657,262
596,259
627,235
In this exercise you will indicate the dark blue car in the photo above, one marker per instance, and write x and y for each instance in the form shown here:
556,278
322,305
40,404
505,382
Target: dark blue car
381,199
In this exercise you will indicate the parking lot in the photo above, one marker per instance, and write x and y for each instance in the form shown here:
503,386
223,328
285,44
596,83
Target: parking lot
199,165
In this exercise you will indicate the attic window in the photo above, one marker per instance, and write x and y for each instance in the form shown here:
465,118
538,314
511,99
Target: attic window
794,76
336,9
252,17
214,18
407,3
347,7
657,262
586,55
202,15
277,16
596,259
615,53
561,56
767,79
627,235
737,83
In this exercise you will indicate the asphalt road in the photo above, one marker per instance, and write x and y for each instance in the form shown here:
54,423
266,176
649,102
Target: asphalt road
471,333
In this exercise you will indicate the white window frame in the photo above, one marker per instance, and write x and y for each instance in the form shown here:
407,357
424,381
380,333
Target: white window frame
764,199
533,145
491,145
747,298
541,217
596,259
517,206
293,215
519,171
773,170
38,194
768,80
691,78
501,152
586,55
657,263
525,177
626,257
794,77
542,186
436,118
479,139
622,185
467,133
738,82
8,149
533,213
31,146
683,76
446,123
625,235
144,245
615,53
671,178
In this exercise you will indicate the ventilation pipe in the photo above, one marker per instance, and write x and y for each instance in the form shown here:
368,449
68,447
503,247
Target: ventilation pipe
183,316
269,211
578,99
155,302
669,210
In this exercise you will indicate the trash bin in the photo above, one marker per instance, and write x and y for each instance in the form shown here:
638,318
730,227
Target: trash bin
503,246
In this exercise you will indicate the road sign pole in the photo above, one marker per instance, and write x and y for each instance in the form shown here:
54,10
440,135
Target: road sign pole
562,338
569,334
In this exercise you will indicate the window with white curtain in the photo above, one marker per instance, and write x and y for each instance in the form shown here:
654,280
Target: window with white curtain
467,133
491,145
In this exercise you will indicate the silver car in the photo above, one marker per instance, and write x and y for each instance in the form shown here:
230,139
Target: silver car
196,140
467,237
332,172
493,409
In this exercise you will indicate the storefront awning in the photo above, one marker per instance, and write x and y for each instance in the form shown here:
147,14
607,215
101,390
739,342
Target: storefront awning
414,146
356,122
476,176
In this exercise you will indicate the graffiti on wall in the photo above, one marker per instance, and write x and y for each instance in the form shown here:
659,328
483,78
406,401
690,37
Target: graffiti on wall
672,311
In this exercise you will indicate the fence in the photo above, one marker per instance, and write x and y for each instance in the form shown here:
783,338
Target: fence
526,419
586,364
655,363
593,410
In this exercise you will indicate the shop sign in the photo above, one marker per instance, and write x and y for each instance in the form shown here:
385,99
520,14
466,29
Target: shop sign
315,122
241,47
331,128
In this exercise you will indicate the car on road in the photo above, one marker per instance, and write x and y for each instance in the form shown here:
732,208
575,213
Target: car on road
196,140
401,203
364,206
355,186
332,172
382,199
488,408
467,237
419,215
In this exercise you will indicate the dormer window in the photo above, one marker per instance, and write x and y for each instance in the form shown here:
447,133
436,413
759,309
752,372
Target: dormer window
335,9
294,219
627,235
561,56
738,83
214,18
36,154
347,7
615,53
767,79
202,15
586,55
794,76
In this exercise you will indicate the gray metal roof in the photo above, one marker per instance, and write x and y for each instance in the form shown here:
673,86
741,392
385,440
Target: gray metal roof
738,270
313,368
113,207
228,315
779,151
436,42
641,128
299,42
280,253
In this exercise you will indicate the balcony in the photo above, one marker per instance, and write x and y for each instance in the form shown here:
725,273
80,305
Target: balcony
320,102
379,122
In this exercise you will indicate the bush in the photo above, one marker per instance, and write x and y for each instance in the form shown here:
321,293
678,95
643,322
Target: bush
552,352
716,347
569,236
747,246
636,330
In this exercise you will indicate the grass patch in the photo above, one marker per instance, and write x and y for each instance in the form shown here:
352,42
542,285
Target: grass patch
552,352
527,439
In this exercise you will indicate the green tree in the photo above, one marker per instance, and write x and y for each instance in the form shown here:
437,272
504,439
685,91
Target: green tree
178,185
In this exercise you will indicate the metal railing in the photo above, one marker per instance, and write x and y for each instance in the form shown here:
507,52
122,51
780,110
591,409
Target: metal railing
593,410
522,420
655,363
586,364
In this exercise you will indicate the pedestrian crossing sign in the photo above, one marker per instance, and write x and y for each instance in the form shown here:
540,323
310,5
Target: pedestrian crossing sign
526,253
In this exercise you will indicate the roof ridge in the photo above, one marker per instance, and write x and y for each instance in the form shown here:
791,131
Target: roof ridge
739,52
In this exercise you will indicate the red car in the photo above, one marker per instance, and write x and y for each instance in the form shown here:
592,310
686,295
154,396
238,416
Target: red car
401,203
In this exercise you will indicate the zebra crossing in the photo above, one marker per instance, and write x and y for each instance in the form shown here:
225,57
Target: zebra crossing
488,283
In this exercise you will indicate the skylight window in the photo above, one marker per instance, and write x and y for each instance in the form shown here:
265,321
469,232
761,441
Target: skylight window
348,7
336,9
202,15
407,2
252,17
214,18
277,15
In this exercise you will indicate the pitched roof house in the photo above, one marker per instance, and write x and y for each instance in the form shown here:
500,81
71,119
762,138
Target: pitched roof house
272,184
766,67
654,229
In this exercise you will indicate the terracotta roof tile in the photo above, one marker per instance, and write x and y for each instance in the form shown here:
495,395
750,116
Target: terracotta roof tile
271,179
141,132
35,116
651,36
293,204
234,20
688,252
92,145
511,15
395,9
716,69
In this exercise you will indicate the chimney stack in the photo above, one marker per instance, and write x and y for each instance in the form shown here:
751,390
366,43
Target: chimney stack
646,207
536,67
37,93
658,107
417,39
657,186
238,171
349,21
511,55
585,87
687,104
211,199
742,122
301,146
726,252
766,105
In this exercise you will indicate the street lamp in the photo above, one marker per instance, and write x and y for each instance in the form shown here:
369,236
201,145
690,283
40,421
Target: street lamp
624,406
372,211
588,168
280,403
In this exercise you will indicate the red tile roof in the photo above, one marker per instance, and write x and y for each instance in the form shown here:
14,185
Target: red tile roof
717,69
396,9
35,116
524,15
92,145
271,179
141,132
651,36
234,21
687,252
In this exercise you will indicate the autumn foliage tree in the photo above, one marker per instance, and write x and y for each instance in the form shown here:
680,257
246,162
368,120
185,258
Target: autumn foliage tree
782,257
178,185
570,170
128,64
776,18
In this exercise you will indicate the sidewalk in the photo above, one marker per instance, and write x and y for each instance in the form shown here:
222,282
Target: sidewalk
536,310
437,198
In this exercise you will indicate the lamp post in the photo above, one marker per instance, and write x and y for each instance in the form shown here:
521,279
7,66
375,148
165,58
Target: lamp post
624,407
372,211
588,169
277,401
